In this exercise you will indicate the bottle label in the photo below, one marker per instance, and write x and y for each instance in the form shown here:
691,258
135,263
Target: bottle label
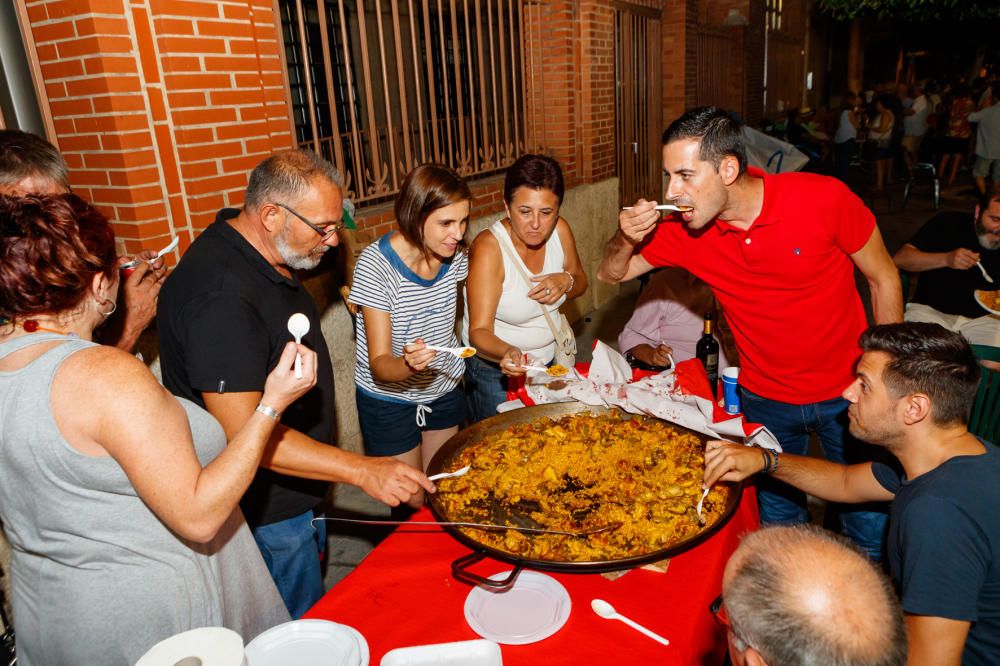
712,361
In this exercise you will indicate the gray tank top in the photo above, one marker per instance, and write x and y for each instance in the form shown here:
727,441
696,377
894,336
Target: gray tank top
96,577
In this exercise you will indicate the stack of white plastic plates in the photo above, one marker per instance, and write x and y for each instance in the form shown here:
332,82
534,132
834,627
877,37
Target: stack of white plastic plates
308,643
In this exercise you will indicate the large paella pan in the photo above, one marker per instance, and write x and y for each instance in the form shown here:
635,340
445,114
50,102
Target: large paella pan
628,484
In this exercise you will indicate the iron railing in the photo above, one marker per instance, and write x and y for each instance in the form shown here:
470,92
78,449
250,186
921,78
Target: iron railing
379,87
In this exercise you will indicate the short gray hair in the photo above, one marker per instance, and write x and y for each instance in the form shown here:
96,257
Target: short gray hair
24,155
781,572
285,177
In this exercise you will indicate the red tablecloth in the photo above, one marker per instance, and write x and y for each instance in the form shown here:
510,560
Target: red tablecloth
403,594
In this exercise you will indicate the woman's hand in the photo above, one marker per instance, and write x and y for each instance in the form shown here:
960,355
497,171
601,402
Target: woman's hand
551,287
512,361
282,388
417,356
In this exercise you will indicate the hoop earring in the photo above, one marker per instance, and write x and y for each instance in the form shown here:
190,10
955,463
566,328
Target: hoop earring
114,306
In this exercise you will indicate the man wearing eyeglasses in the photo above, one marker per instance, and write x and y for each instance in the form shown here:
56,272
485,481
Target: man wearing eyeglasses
802,595
222,322
951,252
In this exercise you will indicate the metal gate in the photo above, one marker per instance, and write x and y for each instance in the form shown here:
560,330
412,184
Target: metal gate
638,86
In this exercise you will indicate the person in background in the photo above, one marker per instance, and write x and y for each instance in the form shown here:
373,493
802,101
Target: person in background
779,253
503,317
845,138
223,321
881,133
409,397
955,143
914,124
945,253
31,165
987,143
802,596
119,500
668,321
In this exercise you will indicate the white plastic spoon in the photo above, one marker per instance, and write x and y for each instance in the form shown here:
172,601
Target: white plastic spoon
608,612
985,274
168,248
461,352
701,520
679,209
298,325
449,475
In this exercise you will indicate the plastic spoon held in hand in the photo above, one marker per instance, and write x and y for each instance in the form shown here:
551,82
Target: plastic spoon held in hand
449,475
298,325
168,248
701,518
461,352
983,271
679,209
608,612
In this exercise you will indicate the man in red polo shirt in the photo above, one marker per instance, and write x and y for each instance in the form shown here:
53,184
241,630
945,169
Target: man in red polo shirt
779,253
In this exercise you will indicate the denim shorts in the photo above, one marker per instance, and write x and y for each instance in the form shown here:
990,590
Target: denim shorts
392,428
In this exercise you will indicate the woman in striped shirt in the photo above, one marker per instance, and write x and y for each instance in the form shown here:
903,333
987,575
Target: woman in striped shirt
406,283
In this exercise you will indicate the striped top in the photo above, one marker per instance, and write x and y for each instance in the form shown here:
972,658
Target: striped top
417,308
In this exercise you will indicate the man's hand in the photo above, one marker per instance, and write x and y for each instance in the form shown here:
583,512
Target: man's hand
139,293
962,259
730,462
636,223
390,481
658,356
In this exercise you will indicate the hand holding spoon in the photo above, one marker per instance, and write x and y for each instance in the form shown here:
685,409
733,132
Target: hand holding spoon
608,612
298,325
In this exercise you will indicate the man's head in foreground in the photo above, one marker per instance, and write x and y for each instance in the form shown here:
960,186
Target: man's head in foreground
911,377
298,197
798,596
30,165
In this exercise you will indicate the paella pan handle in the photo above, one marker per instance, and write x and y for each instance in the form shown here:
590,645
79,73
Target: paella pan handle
459,569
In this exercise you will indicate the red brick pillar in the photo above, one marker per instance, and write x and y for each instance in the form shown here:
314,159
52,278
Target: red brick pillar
161,107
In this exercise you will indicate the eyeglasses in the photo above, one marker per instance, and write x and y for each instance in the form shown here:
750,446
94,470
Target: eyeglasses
718,610
326,231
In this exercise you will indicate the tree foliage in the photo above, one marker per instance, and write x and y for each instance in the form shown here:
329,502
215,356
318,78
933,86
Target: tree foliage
914,11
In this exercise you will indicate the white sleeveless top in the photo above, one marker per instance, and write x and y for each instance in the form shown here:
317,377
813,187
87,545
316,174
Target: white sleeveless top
519,320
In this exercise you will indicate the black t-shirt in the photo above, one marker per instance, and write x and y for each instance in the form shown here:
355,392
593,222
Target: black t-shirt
950,290
944,546
222,322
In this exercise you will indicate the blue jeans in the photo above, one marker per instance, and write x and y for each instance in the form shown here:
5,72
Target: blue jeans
292,550
485,386
865,524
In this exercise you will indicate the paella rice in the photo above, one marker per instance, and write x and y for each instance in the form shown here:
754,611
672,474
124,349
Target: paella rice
578,473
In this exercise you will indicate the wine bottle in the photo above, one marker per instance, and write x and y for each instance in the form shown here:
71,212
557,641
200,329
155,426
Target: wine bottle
707,351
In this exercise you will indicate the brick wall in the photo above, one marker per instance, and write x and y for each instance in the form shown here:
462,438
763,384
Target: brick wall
161,107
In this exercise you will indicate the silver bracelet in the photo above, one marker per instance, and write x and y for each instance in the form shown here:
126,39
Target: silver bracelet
571,281
268,411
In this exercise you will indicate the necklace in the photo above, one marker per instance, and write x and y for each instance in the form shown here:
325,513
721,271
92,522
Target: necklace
32,326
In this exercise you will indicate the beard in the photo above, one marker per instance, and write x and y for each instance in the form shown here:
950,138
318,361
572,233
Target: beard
299,262
987,240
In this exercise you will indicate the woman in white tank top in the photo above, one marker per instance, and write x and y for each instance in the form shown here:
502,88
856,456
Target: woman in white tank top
503,318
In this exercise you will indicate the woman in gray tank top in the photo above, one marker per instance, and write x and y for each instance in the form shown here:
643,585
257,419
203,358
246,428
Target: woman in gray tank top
119,500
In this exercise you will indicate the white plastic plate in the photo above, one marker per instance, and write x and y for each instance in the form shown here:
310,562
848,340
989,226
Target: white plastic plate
308,643
980,298
534,608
